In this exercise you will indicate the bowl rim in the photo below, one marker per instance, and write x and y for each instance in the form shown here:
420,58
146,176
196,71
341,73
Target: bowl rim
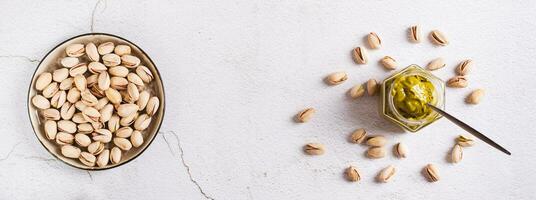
157,128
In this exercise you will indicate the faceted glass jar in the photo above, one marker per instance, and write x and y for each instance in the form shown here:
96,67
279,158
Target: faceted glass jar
389,111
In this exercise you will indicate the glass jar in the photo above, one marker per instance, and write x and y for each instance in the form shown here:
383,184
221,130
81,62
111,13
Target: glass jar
389,110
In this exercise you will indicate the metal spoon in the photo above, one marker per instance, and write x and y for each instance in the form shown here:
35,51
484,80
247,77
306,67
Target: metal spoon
469,129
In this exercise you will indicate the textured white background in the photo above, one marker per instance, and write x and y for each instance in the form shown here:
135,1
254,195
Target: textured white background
235,73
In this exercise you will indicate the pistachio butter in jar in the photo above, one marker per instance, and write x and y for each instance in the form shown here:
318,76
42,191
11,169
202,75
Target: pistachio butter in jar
405,95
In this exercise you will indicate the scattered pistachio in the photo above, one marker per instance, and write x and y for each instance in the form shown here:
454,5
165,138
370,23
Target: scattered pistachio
314,149
374,40
372,87
376,141
360,55
438,38
376,152
456,154
389,63
435,64
305,115
336,78
358,136
431,173
357,91
415,34
386,174
475,96
457,82
400,150
464,67
465,141
352,174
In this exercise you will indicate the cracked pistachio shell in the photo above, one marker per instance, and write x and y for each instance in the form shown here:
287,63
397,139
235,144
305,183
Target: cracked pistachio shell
43,81
414,34
122,143
67,83
91,114
59,75
374,40
144,73
92,80
95,148
66,126
73,95
119,71
51,114
134,78
63,138
438,38
302,117
152,106
372,87
133,92
122,50
357,91
130,61
58,99
51,90
127,121
111,59
80,82
456,154
80,106
101,103
118,83
125,110
136,138
113,95
314,149
70,151
113,123
97,125
78,118
106,113
336,78
465,141
96,67
360,55
51,129
376,141
435,64
85,128
400,150
87,158
142,122
475,96
69,62
375,152
75,50
92,52
40,102
352,174
115,155
103,81
386,174
126,97
67,111
142,100
389,63
358,136
82,140
106,48
455,82
89,99
464,67
124,132
79,69
102,135
431,173
103,158
95,91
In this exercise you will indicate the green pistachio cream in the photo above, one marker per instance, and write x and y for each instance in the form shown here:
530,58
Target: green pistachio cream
410,95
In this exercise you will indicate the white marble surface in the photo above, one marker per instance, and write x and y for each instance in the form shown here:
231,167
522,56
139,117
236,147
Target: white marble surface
236,72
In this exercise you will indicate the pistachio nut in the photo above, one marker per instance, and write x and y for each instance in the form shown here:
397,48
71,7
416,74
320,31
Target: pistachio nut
63,138
389,63
431,173
73,95
103,81
400,150
457,82
386,174
464,67
58,99
119,71
372,87
89,99
376,141
118,83
357,91
415,34
92,80
69,62
95,148
85,128
60,74
50,90
102,135
78,118
78,69
435,64
95,91
125,110
305,115
115,155
142,122
113,95
133,92
111,59
66,126
314,149
142,100
374,40
122,50
70,151
352,174
124,132
96,67
465,141
144,73
456,154
134,78
438,38
127,121
80,106
51,114
91,114
336,78
101,103
106,113
358,136
43,81
97,125
87,158
40,102
113,123
80,82
75,50
122,143
360,55
475,96
375,152
103,158
92,52
105,48
67,111
130,61
136,138
82,140
51,129
67,83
